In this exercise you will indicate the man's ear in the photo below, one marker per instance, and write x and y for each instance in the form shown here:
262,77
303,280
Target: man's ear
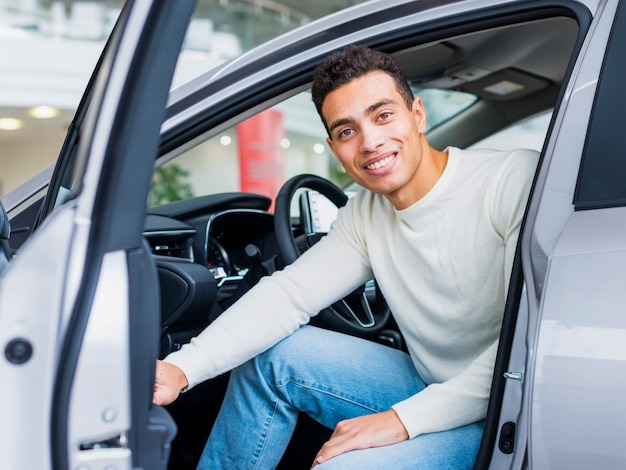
329,141
420,114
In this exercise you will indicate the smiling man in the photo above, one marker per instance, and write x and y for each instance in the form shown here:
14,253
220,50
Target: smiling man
438,231
380,140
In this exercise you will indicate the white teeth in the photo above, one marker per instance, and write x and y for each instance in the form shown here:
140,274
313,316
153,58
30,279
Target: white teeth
380,163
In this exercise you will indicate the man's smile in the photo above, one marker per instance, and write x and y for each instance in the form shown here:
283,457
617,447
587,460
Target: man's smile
380,162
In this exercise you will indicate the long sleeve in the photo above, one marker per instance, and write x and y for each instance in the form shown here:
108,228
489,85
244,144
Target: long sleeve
273,309
458,401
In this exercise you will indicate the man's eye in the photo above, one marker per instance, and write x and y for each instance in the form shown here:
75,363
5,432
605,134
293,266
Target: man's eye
383,116
345,132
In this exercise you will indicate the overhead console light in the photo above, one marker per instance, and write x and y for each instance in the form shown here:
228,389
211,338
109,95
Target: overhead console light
504,87
506,84
43,112
11,124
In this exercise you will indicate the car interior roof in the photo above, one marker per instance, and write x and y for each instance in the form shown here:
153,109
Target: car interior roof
515,71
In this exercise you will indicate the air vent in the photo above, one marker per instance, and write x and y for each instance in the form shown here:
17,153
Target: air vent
171,244
175,249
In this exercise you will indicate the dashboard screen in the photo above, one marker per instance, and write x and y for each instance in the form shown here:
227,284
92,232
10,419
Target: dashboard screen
319,212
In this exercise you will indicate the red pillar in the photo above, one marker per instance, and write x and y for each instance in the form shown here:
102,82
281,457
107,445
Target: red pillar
261,156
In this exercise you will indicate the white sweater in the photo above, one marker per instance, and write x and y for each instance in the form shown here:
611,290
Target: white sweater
443,265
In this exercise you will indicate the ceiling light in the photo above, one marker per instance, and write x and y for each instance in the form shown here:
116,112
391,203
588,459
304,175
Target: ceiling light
504,87
43,112
11,124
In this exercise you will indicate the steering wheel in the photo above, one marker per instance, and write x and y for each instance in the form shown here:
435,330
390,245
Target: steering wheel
364,312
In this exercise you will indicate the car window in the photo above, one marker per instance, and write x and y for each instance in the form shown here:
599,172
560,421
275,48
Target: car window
603,167
222,30
529,133
259,154
441,105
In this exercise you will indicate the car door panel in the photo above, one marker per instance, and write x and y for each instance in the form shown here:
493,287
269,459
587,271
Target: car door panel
122,140
573,265
578,391
100,411
39,271
90,276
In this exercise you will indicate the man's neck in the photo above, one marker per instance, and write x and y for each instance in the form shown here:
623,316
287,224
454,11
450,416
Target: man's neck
431,168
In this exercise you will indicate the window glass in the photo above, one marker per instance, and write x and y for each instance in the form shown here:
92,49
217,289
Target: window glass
442,105
221,30
257,155
529,133
603,168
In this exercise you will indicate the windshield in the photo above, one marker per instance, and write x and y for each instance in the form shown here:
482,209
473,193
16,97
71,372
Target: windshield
221,30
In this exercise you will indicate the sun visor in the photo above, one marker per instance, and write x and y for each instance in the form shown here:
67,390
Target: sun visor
426,63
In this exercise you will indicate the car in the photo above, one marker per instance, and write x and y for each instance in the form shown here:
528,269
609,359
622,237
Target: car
103,272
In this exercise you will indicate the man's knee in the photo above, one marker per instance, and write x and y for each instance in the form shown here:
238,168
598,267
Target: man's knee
294,348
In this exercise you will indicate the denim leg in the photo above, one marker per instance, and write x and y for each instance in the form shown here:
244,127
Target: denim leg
328,375
448,450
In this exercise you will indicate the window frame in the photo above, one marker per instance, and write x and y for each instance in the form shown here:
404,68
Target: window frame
602,171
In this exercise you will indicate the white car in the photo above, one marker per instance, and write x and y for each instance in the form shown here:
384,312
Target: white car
96,284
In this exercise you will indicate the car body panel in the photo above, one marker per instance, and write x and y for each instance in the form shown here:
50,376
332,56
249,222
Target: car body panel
580,347
577,290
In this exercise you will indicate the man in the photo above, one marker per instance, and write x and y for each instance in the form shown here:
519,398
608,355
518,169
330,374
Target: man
438,231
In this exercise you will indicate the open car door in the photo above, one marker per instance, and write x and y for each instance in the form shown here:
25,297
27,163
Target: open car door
79,304
562,405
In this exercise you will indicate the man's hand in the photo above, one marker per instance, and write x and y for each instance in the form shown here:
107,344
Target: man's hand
169,380
375,430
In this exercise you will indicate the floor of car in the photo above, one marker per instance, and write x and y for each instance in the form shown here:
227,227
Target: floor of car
194,413
305,443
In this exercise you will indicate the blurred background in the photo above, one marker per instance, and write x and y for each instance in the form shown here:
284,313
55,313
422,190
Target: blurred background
49,49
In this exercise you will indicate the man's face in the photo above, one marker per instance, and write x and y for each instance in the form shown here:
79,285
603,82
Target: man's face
376,138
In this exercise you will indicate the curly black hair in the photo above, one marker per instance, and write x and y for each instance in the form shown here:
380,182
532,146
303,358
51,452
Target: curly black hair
345,65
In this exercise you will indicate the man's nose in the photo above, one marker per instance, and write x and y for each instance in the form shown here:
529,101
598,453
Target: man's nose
371,139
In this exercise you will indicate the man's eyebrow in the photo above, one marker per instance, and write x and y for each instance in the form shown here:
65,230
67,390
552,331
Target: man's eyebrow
339,122
380,104
368,111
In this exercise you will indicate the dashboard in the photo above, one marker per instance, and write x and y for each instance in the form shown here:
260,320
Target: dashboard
213,231
208,252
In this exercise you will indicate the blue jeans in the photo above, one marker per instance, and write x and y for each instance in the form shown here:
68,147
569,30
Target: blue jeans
331,377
